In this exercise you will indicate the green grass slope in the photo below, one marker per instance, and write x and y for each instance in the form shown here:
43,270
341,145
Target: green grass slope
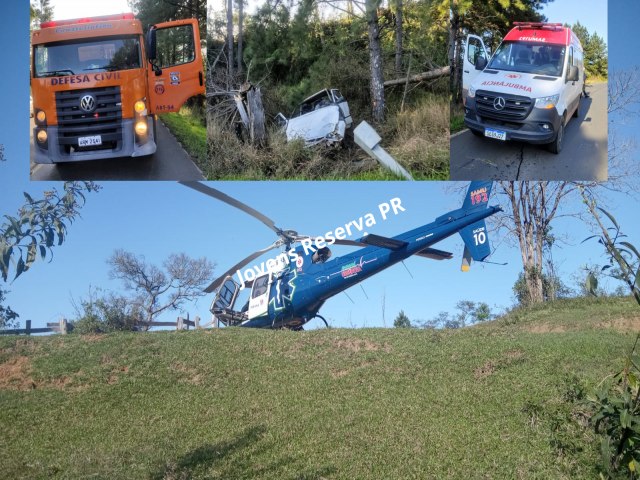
494,401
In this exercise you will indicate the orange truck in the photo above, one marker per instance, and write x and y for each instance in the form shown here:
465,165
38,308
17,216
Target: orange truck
98,83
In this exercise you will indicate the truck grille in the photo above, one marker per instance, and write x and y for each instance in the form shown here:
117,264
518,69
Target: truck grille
105,120
515,108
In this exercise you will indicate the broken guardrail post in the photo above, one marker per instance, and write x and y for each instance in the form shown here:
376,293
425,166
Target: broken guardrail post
369,140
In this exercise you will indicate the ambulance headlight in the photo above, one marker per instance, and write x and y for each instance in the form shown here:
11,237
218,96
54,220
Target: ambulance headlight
547,102
472,92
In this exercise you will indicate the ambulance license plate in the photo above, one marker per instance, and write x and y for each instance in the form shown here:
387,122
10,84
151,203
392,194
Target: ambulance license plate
497,134
89,141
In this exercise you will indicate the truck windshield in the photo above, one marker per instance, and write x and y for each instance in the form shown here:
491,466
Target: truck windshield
79,56
536,58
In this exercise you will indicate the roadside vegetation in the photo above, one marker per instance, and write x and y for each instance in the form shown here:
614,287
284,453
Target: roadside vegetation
189,127
367,403
291,53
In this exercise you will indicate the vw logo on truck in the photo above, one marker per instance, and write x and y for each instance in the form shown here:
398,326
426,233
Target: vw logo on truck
88,103
529,89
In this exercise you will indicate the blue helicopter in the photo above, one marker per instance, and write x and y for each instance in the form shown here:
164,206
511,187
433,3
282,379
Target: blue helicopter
296,285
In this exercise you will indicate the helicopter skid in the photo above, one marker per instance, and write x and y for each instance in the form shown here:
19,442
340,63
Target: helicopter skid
230,317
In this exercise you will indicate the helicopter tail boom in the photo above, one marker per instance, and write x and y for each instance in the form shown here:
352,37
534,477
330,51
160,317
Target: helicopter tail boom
475,235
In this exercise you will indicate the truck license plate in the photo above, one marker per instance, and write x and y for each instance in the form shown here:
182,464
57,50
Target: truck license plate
497,134
89,141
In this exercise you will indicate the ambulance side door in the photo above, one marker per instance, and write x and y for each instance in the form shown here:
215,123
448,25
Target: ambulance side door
474,49
175,66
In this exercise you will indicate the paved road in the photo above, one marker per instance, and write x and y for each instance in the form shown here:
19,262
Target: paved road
170,162
583,157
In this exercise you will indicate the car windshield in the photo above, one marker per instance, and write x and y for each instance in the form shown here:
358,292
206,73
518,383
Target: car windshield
316,102
96,55
536,58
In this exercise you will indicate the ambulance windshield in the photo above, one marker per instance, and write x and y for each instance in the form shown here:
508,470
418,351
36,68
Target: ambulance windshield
535,58
87,55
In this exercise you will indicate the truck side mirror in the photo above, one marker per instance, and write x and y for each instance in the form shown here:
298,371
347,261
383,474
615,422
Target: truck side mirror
151,44
572,75
481,62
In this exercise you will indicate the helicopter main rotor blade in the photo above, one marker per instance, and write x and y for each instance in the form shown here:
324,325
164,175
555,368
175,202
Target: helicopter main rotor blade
212,192
218,281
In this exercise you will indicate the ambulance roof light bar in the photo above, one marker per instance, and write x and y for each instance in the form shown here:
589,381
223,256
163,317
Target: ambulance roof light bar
540,25
74,21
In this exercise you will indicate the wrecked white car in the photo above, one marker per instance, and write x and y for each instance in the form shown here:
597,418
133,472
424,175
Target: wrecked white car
322,118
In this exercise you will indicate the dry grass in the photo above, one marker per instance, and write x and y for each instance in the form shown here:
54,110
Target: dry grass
421,140
418,138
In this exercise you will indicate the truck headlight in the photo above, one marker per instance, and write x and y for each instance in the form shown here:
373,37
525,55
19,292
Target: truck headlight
139,107
41,117
547,102
141,127
42,136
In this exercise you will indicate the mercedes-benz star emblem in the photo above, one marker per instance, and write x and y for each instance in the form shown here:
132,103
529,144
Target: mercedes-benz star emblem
88,103
499,103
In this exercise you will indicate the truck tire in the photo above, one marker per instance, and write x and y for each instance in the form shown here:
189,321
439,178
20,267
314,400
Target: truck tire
556,145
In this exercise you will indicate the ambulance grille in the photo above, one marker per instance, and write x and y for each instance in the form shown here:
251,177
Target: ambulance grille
105,120
515,108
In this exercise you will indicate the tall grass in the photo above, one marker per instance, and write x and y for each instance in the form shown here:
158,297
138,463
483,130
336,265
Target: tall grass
417,137
421,140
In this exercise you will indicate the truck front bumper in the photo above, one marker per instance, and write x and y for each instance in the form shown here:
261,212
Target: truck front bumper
539,127
129,146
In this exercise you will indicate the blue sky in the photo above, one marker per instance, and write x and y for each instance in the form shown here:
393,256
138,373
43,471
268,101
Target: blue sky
590,13
159,218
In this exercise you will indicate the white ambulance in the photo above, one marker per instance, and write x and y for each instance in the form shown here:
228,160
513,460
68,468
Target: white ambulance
529,89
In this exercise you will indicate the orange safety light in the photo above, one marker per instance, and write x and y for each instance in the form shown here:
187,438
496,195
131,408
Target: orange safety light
74,21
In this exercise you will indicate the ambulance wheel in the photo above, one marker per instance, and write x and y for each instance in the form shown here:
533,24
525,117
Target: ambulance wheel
556,145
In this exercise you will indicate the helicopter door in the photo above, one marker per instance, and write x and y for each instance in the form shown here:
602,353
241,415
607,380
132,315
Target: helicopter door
259,301
226,296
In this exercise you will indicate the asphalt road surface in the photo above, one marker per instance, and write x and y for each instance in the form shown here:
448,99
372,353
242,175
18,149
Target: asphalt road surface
583,157
170,162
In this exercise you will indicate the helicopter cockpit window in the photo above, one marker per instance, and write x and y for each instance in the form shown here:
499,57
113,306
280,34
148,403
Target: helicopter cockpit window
260,286
322,255
226,295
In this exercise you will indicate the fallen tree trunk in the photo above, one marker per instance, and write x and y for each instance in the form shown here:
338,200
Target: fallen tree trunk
419,77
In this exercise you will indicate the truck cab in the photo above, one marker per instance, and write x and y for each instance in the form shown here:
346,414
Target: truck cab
529,89
97,84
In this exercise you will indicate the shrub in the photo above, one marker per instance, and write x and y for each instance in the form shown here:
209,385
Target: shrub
106,313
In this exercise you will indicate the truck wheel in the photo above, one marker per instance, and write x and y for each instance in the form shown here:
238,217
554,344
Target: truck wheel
556,145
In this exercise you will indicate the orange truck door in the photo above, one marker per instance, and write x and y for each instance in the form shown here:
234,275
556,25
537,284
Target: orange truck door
176,72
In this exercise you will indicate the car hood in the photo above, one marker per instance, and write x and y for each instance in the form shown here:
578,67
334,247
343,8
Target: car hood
315,125
517,83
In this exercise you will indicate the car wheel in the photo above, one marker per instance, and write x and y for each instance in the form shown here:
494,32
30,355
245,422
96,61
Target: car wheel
556,145
576,112
477,133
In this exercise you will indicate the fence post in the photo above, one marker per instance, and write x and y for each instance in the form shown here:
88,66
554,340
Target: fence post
197,322
28,327
63,326
179,324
